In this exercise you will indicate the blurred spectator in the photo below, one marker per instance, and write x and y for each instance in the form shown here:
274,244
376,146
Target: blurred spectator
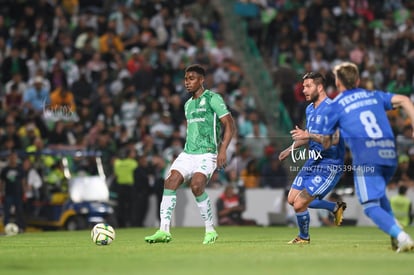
186,17
401,206
55,179
129,112
33,191
144,78
273,174
146,32
82,90
175,108
36,98
59,137
62,100
39,74
143,180
14,98
401,85
40,162
404,139
95,67
111,120
246,127
12,187
12,64
162,130
239,160
220,51
162,22
110,43
134,61
402,175
230,207
411,162
256,141
124,168
18,81
28,132
175,53
130,32
10,134
251,175
88,36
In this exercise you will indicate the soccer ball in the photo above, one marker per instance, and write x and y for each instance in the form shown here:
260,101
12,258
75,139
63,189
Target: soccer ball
102,234
11,229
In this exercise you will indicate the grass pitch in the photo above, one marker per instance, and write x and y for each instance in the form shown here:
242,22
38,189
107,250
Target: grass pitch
239,250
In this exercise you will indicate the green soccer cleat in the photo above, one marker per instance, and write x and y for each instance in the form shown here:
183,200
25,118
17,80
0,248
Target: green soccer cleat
299,240
339,213
210,237
159,237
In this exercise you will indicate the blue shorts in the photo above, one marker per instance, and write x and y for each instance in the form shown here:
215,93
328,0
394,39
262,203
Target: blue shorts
371,181
317,180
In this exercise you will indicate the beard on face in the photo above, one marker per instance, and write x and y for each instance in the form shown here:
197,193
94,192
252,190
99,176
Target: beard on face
314,96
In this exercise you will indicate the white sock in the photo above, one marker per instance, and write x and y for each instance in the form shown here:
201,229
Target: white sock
204,205
169,200
403,237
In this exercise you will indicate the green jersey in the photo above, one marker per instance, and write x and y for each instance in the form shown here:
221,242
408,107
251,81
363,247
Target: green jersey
203,122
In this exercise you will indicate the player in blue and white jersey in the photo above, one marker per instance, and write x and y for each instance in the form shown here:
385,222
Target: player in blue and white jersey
361,117
323,168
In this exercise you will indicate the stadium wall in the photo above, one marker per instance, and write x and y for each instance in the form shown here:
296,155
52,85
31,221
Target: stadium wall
266,206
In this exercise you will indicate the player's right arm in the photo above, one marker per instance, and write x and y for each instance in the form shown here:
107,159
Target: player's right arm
405,103
296,144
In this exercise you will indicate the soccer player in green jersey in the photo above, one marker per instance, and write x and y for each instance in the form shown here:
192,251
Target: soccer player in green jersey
204,151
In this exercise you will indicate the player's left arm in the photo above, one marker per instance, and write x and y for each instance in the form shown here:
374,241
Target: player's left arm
405,103
229,129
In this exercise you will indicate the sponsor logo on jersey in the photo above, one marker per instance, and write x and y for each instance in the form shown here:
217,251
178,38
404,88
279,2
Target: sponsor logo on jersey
197,119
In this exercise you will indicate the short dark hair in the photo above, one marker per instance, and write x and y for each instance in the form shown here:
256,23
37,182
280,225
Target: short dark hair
402,190
196,68
14,87
318,78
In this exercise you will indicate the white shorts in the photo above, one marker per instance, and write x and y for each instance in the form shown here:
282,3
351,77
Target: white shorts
188,164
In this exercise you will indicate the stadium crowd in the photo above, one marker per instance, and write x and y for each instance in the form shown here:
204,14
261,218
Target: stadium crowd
296,37
107,76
